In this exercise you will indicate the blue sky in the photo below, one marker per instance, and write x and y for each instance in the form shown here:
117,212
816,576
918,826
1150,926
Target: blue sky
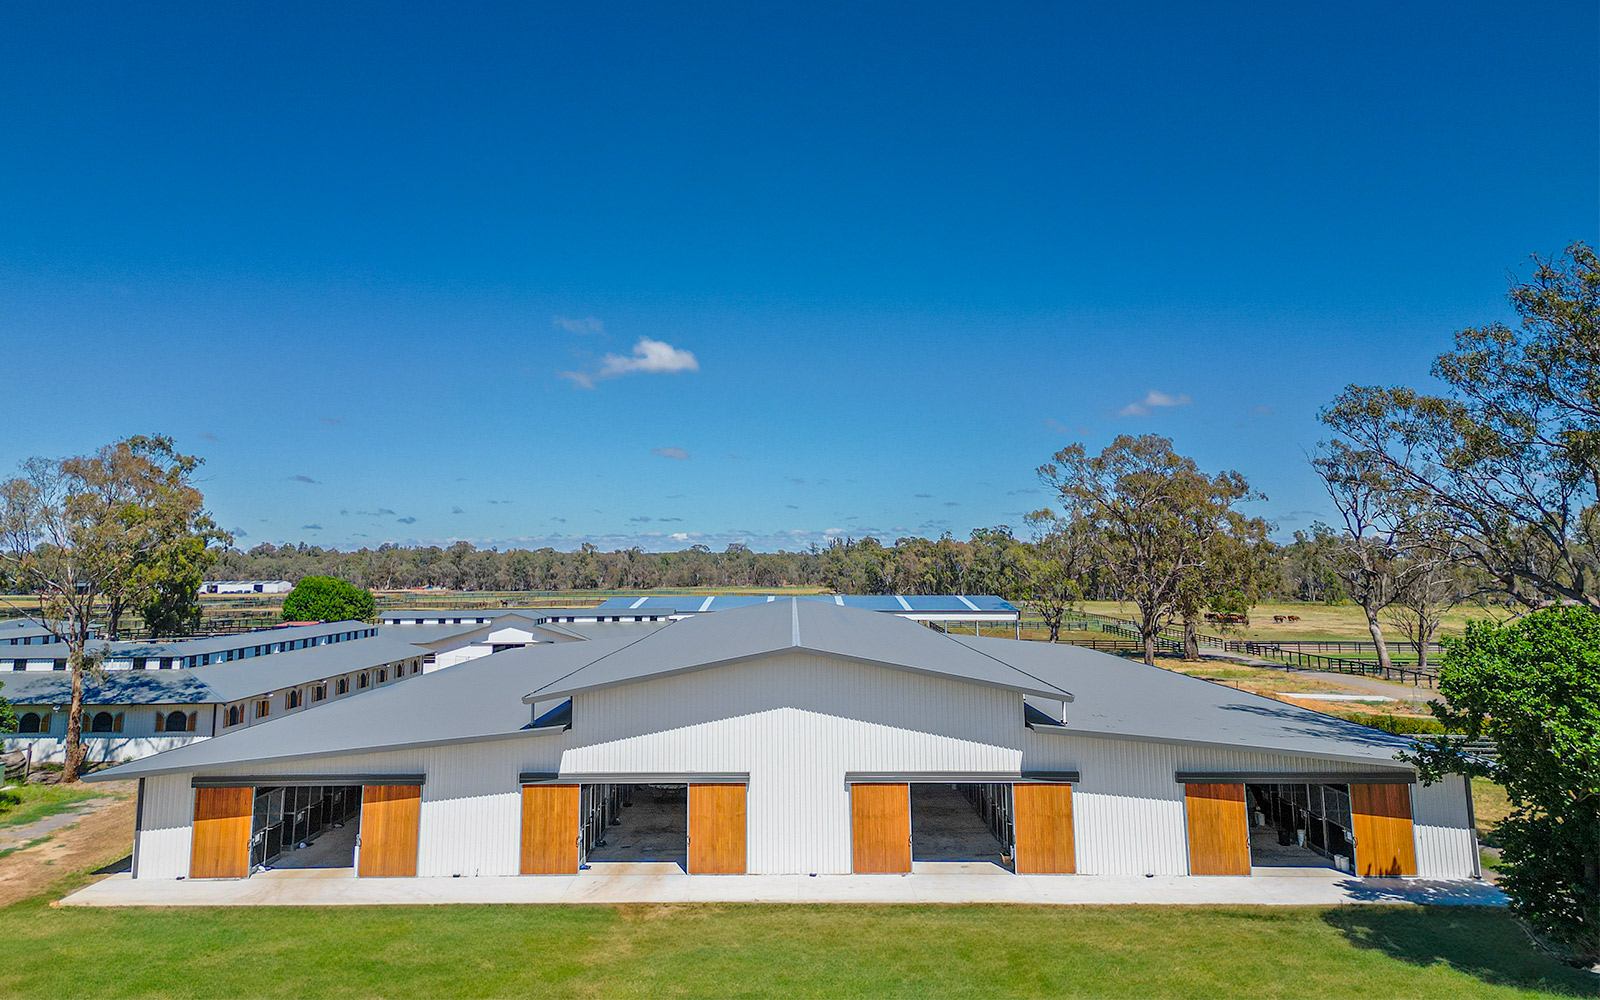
658,274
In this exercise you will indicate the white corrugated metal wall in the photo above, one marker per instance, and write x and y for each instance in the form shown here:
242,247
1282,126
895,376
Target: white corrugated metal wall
1128,811
797,724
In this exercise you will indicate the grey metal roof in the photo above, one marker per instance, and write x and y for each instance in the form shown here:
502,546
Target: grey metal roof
219,682
960,604
259,674
597,630
474,700
479,699
124,649
471,615
1124,698
791,624
119,687
427,635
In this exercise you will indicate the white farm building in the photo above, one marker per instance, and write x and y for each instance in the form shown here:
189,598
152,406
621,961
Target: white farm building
795,737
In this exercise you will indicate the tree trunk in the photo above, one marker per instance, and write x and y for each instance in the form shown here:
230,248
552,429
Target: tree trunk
1191,640
1377,638
1149,636
74,752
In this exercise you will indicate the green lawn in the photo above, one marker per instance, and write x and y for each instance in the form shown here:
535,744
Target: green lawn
805,951
26,803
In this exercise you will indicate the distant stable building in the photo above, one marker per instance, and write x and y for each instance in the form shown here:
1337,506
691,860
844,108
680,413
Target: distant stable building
797,736
246,587
176,653
130,712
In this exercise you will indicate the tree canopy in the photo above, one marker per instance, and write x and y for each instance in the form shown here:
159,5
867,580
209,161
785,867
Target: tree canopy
1533,687
92,535
328,599
1508,460
1157,521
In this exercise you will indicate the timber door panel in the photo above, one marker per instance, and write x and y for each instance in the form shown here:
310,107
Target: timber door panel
221,845
550,829
1219,830
390,817
1386,843
880,828
717,829
1041,816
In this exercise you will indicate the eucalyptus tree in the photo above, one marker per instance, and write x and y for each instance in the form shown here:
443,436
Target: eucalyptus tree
1508,458
83,534
1156,519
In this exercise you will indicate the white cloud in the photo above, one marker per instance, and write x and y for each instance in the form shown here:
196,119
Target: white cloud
588,324
1154,399
649,357
676,454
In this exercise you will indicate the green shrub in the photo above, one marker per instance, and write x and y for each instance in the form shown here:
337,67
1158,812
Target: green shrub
1401,725
328,599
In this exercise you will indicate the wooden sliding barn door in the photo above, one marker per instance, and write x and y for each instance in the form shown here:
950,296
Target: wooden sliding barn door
1219,830
880,828
717,829
550,829
221,843
390,818
1041,816
1386,843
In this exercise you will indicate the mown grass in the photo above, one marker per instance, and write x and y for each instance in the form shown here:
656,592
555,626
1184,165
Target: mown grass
25,803
757,951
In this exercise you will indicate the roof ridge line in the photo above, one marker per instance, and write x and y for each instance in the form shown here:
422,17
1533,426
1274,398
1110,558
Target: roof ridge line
590,663
997,659
794,621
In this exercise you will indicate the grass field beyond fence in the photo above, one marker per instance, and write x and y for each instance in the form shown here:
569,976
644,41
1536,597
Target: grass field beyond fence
787,951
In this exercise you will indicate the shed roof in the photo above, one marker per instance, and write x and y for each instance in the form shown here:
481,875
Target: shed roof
794,625
1124,698
175,648
219,682
471,701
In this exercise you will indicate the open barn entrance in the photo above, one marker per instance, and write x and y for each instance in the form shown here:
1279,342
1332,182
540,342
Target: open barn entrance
962,823
634,824
1300,825
304,826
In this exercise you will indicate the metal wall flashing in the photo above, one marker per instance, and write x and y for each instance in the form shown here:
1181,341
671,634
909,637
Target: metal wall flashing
960,777
1389,777
633,778
263,780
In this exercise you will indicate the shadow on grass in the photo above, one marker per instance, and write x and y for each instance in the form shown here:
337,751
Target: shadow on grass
116,867
1482,942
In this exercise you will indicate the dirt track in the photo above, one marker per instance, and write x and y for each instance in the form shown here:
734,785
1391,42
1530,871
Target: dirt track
99,838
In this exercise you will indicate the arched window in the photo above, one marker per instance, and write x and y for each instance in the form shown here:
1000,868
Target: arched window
103,723
29,723
177,722
292,699
383,675
235,715
361,681
343,686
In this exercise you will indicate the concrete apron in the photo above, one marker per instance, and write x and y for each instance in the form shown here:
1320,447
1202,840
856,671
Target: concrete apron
929,883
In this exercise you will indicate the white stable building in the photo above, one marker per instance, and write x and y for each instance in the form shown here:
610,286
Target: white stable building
794,737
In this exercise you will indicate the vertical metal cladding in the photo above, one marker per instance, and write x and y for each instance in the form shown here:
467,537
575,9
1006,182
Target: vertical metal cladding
1447,844
797,724
1129,812
166,826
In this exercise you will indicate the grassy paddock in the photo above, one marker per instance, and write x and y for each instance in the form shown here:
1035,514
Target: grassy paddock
753,950
1317,621
21,804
